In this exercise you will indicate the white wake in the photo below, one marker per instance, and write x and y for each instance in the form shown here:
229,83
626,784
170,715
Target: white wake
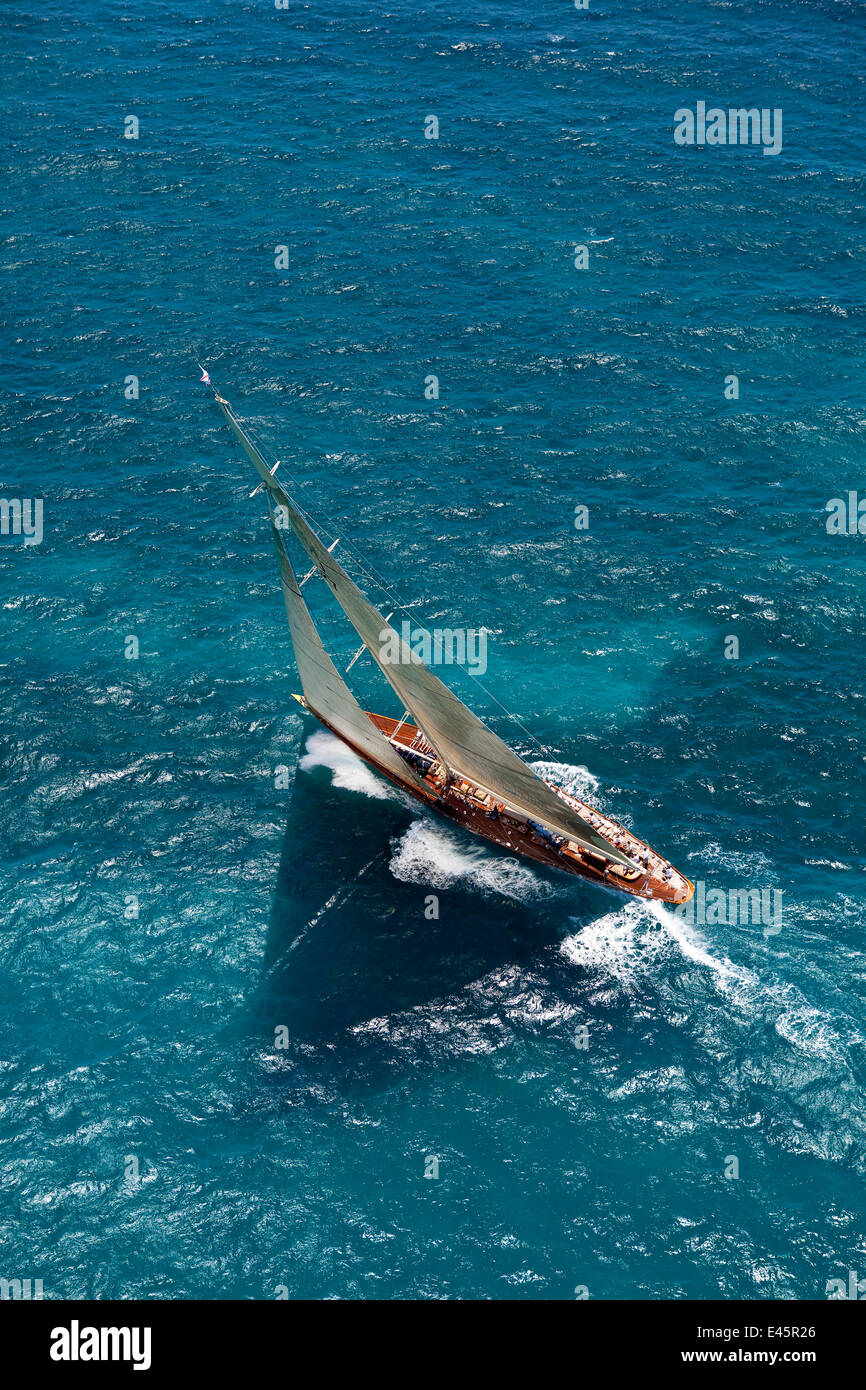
325,750
431,853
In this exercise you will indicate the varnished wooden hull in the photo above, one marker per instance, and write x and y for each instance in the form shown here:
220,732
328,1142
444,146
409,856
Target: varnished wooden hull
511,833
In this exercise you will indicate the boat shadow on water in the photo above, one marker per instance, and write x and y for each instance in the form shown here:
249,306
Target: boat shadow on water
349,942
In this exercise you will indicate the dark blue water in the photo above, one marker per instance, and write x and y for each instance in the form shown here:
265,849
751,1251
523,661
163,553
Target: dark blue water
154,1142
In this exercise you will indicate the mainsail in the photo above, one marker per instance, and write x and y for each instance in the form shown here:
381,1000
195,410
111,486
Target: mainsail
464,744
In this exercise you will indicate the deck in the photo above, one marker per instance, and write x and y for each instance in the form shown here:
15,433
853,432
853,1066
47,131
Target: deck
480,812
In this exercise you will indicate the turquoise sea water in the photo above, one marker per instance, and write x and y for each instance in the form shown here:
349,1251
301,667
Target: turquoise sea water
148,1042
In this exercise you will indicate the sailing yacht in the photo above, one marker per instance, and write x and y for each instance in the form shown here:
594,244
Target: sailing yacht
439,751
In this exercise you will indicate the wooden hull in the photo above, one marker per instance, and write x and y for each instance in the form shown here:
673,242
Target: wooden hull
467,807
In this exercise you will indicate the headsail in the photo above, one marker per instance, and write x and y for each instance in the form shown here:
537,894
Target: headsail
326,692
462,741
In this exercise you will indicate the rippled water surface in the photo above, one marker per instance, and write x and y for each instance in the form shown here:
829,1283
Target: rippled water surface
583,1069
